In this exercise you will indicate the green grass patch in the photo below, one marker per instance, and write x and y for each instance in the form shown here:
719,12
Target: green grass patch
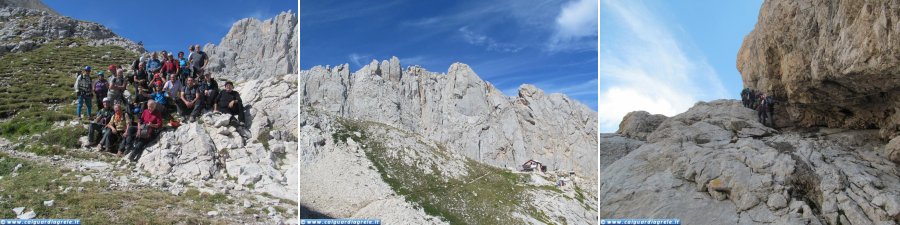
36,183
36,79
487,195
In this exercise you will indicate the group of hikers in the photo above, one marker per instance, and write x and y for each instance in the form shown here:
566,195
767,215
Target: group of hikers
161,85
762,103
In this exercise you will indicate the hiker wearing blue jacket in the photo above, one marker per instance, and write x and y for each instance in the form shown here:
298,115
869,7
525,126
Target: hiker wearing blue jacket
153,65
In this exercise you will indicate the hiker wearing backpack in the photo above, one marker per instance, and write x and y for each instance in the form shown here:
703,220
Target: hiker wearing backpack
101,87
114,132
210,89
146,130
117,86
770,108
83,91
95,129
229,101
762,109
744,99
153,65
191,95
198,62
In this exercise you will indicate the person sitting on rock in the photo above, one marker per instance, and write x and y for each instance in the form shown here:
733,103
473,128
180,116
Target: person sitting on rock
101,89
210,89
149,125
158,81
229,101
193,103
159,96
173,90
95,129
83,91
115,130
117,86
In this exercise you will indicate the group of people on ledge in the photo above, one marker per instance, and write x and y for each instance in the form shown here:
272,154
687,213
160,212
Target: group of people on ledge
165,92
762,103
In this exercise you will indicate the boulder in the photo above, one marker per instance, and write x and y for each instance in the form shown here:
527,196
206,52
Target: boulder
639,124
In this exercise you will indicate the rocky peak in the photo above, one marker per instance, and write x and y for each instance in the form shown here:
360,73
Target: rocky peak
27,28
828,63
256,49
28,4
462,111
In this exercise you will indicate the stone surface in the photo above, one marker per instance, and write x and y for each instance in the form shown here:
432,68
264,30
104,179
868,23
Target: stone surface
639,124
697,166
828,63
461,111
255,49
27,26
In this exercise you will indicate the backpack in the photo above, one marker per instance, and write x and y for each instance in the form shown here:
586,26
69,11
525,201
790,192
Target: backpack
84,84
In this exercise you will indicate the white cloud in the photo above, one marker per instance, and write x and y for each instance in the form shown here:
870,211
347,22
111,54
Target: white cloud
358,59
576,26
482,40
646,68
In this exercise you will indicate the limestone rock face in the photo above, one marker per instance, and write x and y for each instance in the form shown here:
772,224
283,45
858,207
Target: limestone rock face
27,28
187,153
639,124
715,164
256,49
829,63
462,111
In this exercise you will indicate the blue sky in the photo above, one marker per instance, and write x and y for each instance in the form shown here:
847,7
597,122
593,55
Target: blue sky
170,24
551,44
663,56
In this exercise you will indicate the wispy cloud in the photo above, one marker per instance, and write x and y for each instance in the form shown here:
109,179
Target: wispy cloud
481,40
576,27
359,59
647,68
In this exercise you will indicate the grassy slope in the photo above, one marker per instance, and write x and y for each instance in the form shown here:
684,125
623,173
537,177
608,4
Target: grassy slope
33,81
33,184
487,195
35,92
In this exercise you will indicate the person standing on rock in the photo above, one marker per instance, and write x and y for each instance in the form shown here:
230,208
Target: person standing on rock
83,91
762,109
101,88
183,70
229,101
173,90
193,103
140,77
770,109
147,129
115,130
210,89
198,62
154,65
169,67
117,86
100,120
744,98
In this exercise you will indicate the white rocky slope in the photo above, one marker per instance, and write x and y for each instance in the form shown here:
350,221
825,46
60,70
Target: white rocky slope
343,179
255,49
460,110
23,29
714,164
